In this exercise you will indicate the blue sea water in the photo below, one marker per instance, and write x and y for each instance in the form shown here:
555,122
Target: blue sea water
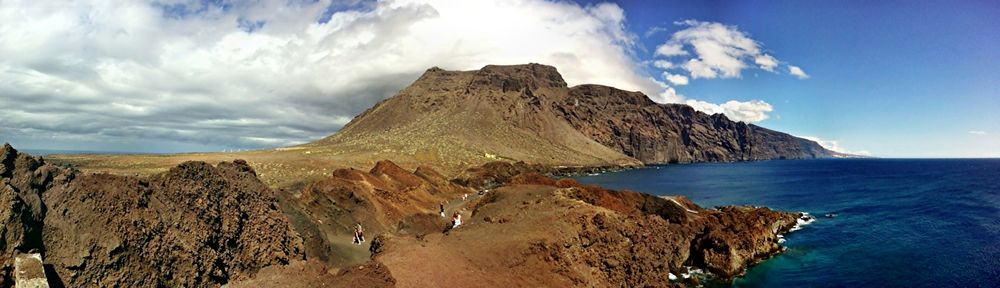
899,223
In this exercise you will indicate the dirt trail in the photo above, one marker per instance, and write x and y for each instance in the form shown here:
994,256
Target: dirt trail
353,254
475,254
460,205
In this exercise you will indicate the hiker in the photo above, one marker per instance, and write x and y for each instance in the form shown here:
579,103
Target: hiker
465,196
442,209
359,234
456,219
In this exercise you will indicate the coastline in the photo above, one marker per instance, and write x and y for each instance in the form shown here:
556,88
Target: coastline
701,236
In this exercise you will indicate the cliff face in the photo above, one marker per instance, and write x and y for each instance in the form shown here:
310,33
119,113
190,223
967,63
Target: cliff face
673,133
196,225
527,113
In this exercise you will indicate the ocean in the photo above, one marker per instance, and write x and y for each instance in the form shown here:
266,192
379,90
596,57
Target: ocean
898,223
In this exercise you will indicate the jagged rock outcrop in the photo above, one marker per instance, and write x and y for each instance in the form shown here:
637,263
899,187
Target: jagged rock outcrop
527,113
23,179
673,229
196,225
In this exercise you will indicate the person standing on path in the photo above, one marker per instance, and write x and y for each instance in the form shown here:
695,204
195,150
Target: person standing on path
359,234
456,219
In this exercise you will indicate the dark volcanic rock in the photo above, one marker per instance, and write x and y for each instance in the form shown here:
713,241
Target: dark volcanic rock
518,77
736,237
648,237
23,179
673,133
496,173
196,225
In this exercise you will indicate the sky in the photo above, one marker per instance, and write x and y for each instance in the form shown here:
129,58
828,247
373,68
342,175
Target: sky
886,78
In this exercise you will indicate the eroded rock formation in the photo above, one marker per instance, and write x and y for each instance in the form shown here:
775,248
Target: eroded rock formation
196,225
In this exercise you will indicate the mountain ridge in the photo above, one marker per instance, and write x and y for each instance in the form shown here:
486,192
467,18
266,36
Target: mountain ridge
529,113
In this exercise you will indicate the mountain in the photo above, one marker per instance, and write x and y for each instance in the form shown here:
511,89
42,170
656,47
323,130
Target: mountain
528,113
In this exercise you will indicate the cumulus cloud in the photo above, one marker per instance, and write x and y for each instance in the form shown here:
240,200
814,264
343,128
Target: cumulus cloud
666,93
834,145
977,132
766,62
676,79
670,49
709,50
720,50
272,72
749,111
797,72
699,69
663,64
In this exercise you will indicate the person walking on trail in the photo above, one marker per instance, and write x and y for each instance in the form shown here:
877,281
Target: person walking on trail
359,234
442,209
456,219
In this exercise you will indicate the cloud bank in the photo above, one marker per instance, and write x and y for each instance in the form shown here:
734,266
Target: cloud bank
272,73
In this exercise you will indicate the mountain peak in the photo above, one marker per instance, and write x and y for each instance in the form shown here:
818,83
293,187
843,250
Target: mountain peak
528,113
518,77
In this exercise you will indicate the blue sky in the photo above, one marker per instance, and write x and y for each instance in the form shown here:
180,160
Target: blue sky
890,78
896,78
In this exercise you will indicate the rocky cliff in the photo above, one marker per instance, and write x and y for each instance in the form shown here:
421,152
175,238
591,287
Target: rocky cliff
673,133
196,225
528,113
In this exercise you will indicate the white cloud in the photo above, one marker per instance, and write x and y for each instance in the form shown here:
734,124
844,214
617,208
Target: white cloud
977,132
749,111
709,50
834,145
663,64
110,71
669,49
667,94
766,62
699,69
676,79
720,50
797,72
